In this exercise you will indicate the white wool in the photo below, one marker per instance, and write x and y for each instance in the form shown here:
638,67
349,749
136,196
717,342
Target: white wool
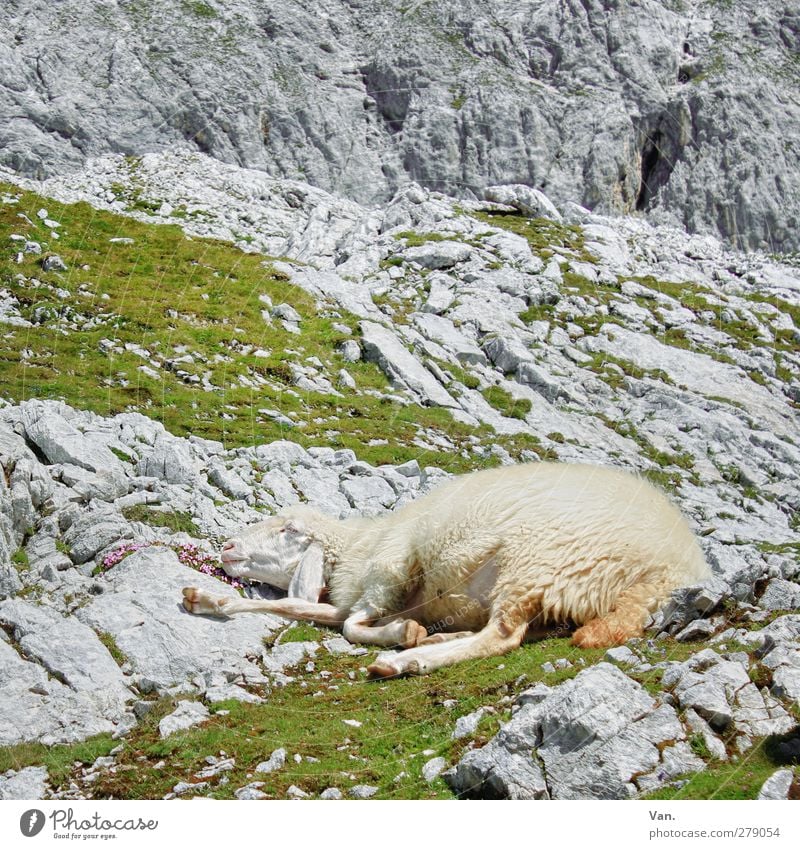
561,540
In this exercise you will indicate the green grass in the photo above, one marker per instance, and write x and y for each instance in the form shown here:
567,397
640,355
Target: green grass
740,779
505,403
199,8
122,455
113,649
170,519
538,312
602,364
20,560
302,632
542,234
415,240
59,760
400,717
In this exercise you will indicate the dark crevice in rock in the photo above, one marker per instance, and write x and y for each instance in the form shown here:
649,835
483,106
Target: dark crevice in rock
651,156
391,94
659,153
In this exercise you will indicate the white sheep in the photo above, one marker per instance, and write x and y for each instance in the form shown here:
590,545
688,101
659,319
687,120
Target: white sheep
469,569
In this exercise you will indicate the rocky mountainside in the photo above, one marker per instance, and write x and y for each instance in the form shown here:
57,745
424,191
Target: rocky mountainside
685,109
375,350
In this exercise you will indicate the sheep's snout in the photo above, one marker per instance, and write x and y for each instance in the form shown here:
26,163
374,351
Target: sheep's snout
232,552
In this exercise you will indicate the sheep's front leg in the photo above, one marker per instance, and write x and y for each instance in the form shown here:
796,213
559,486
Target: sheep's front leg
494,639
398,632
201,602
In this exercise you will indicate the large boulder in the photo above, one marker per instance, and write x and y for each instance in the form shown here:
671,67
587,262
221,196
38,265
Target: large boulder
141,607
61,442
69,650
34,706
599,735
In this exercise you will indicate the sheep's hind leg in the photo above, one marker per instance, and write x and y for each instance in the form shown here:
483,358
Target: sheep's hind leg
201,602
508,623
624,622
494,639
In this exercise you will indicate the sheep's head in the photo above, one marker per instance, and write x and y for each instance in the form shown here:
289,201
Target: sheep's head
278,551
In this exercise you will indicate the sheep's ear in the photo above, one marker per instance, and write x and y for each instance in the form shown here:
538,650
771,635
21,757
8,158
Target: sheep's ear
307,581
293,526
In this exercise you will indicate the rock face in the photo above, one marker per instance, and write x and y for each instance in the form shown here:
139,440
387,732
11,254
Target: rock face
682,108
34,706
382,347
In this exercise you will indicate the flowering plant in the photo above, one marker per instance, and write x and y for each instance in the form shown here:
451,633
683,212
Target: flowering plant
188,553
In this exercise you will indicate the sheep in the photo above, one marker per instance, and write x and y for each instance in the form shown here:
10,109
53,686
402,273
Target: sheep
474,566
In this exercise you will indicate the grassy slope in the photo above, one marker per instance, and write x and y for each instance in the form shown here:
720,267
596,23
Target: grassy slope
162,271
403,726
171,295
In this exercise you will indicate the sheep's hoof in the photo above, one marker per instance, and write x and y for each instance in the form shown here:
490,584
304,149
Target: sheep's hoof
596,635
192,599
199,602
382,669
415,634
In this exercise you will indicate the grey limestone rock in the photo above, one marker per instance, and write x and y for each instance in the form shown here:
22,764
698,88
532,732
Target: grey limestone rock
381,346
777,785
362,791
295,792
528,201
95,531
441,330
622,654
780,595
350,351
10,583
438,255
440,295
697,725
688,604
786,683
68,650
140,606
229,482
698,630
468,724
331,793
170,461
722,693
186,715
34,706
27,783
275,761
251,791
670,108
433,768
287,655
592,737
53,262
370,495
61,442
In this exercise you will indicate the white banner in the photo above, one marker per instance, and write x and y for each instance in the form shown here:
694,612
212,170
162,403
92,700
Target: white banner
335,824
